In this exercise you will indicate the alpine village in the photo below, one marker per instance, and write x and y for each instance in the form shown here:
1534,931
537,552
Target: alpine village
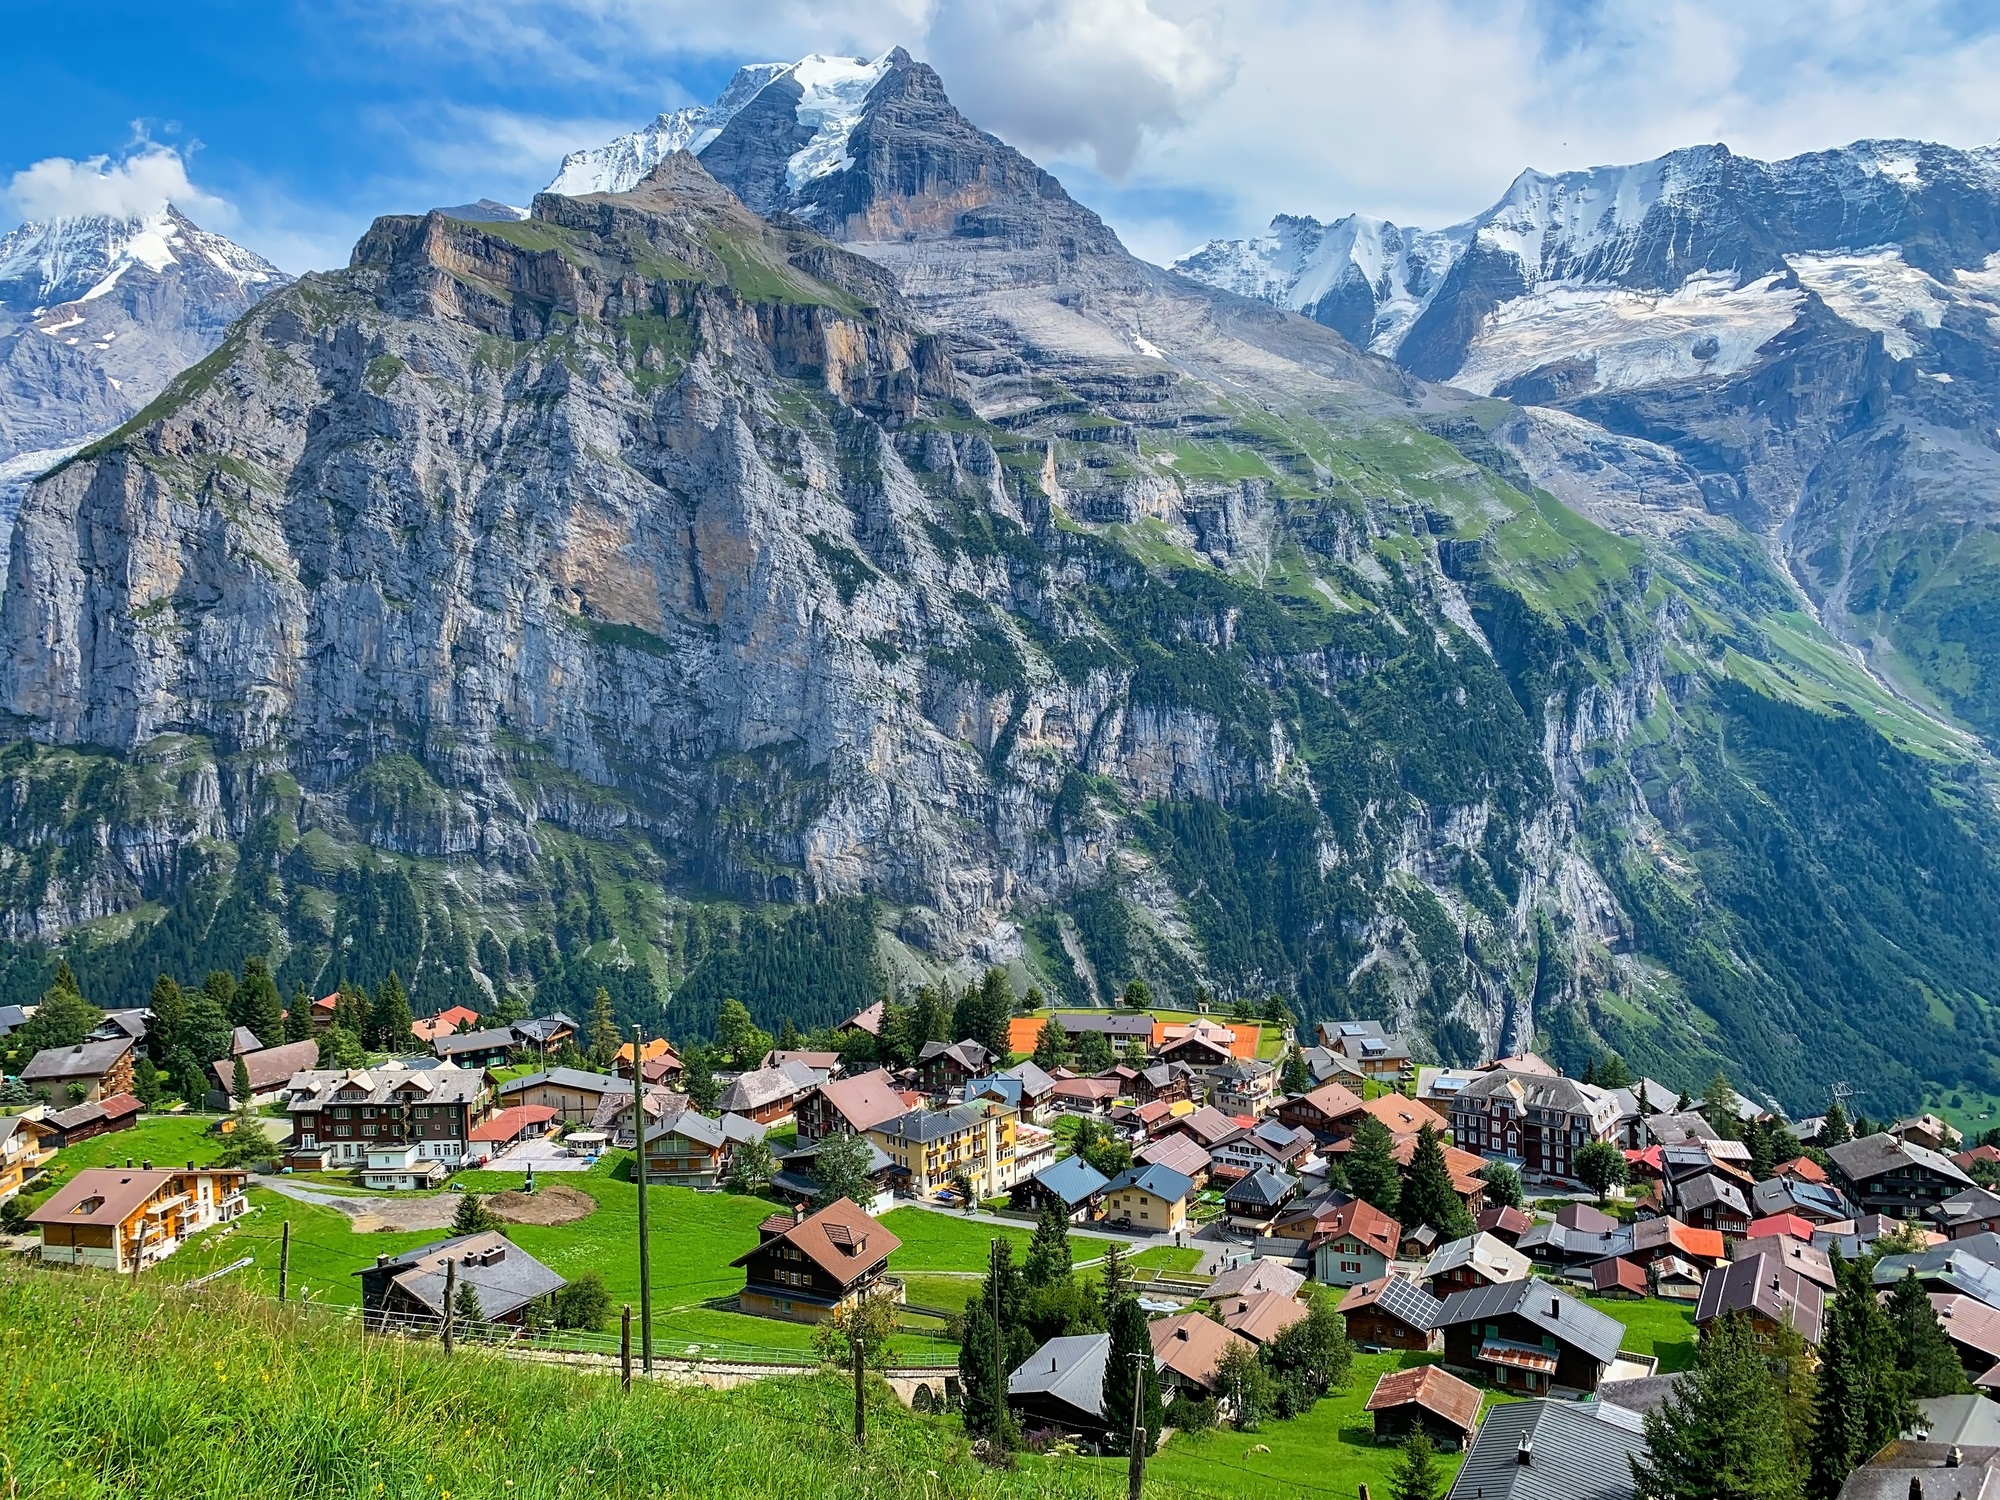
786,826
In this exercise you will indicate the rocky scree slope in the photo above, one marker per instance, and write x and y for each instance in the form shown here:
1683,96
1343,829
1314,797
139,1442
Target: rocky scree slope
523,597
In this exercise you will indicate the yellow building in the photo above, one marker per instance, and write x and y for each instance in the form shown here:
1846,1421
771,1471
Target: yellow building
978,1141
24,1150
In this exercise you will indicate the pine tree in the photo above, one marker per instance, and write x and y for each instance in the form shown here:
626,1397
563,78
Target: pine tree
1114,1282
1428,1196
840,1170
350,1012
465,1306
167,1031
997,997
1718,1106
1051,1045
1835,1131
389,1016
1049,1258
982,1387
1297,1077
298,1015
220,986
258,1005
1862,1401
473,1216
1371,1166
1131,1351
1721,1434
788,1035
602,1029
1416,1475
1614,1074
239,1084
1924,1351
698,1081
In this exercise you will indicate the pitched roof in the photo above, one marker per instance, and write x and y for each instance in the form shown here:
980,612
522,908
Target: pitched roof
1504,1220
101,1195
840,1239
505,1124
1189,1344
85,1060
1182,1153
1574,1451
1208,1125
1555,1312
760,1088
315,1088
269,1067
117,1107
568,1078
1659,1233
1267,1187
868,1019
1035,1082
933,1124
1261,1316
1789,1226
865,1100
1403,1116
968,1054
1431,1387
1262,1274
501,1274
1365,1222
492,1039
1069,1370
1073,1180
1494,1259
712,1131
1618,1275
1089,1090
1700,1192
1162,1182
1805,1169
1763,1285
1970,1265
1111,1023
242,1041
1332,1100
1973,1206
1865,1159
544,1028
1968,1322
1582,1216
1397,1296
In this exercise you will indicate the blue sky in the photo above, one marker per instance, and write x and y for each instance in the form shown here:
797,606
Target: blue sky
295,124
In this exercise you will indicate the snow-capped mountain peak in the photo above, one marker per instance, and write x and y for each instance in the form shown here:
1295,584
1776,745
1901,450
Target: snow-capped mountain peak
833,91
81,259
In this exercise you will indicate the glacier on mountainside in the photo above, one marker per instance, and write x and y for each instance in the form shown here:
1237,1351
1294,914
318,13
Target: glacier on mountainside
835,89
620,165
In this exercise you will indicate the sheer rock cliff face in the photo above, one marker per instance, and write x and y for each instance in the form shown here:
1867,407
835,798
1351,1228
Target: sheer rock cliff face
908,539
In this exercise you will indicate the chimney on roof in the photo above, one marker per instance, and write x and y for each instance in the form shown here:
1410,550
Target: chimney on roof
381,1260
799,1213
1555,1307
1524,1454
1916,1488
1954,1458
146,1165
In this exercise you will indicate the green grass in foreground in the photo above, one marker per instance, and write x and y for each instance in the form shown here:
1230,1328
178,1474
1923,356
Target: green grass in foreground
233,1398
1655,1326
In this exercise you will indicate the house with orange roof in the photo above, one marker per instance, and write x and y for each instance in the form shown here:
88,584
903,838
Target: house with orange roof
1807,1170
1187,1348
1262,1316
1330,1112
1426,1399
444,1023
1405,1116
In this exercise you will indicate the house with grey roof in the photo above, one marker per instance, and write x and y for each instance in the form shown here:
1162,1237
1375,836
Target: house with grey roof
410,1288
1553,1450
478,1049
1890,1176
1767,1291
1072,1184
1151,1198
768,1095
1529,1337
1969,1266
943,1068
796,1181
1060,1387
84,1074
1253,1201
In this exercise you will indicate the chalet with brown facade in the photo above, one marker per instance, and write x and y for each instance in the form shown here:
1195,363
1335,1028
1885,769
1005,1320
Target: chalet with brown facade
82,1074
341,1116
1392,1312
1542,1121
1330,1112
806,1267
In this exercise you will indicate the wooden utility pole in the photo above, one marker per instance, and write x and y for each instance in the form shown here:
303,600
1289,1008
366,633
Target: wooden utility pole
625,1349
450,1291
639,1172
284,1258
1135,1474
860,1399
138,1253
999,1342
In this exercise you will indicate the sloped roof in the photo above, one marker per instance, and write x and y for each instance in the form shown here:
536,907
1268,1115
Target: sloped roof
1404,1116
1665,1231
458,1043
1553,1311
502,1275
101,1195
1398,1296
865,1100
1969,1322
1262,1316
1617,1274
1869,1157
270,1067
1073,1180
1431,1387
840,1239
868,1019
85,1060
1363,1220
1493,1258
1035,1082
1262,1274
1178,1152
1707,1189
1576,1451
1266,1187
1162,1182
1069,1370
1332,1100
761,1087
970,1055
1763,1285
508,1123
567,1078
1189,1344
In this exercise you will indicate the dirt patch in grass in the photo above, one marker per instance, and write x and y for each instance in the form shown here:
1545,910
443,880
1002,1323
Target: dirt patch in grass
553,1204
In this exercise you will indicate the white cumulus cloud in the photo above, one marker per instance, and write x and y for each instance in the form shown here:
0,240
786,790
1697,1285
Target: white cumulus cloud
129,187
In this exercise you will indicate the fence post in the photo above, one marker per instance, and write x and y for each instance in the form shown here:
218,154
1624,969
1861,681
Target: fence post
625,1349
1136,1472
639,1169
450,1288
284,1258
860,1398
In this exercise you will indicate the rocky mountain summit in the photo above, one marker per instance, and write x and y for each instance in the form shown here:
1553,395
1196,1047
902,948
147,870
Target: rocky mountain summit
832,542
96,315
